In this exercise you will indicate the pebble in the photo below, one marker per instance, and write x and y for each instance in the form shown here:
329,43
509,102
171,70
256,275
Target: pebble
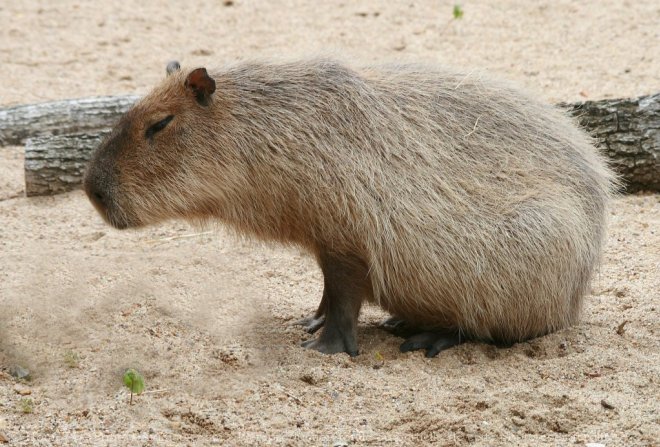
518,421
606,404
340,444
22,390
594,444
3,438
19,372
399,46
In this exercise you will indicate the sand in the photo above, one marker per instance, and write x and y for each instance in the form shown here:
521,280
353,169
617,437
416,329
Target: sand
207,319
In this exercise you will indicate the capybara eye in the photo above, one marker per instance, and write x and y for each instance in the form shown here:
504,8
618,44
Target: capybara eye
157,127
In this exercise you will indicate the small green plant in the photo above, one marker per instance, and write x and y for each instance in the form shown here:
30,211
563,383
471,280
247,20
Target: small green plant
380,359
27,406
457,14
71,359
134,382
458,11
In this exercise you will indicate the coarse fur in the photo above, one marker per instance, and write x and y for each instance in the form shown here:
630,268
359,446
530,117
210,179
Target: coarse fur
474,207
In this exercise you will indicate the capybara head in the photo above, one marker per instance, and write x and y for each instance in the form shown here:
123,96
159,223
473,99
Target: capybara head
145,169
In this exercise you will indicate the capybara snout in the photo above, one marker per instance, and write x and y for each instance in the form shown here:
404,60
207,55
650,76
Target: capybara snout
96,191
97,183
100,186
101,182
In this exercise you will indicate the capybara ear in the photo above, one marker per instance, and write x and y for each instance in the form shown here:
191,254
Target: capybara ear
172,67
201,84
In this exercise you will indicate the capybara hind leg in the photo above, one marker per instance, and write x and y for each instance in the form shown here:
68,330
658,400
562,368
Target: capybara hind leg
315,322
345,286
433,342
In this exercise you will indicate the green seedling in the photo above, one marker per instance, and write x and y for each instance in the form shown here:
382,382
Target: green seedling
134,382
71,359
380,359
27,406
458,12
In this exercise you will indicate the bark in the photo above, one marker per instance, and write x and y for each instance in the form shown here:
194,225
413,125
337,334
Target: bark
56,164
19,123
628,130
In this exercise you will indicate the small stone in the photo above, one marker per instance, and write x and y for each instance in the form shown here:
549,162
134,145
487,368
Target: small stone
3,438
399,46
202,52
93,237
518,421
340,444
606,405
621,329
594,444
22,390
19,372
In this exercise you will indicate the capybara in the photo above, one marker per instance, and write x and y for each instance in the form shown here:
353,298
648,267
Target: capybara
463,207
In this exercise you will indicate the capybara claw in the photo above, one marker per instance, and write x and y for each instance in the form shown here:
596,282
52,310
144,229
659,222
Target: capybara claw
311,324
330,346
398,326
432,342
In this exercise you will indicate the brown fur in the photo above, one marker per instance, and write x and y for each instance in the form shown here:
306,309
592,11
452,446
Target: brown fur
474,207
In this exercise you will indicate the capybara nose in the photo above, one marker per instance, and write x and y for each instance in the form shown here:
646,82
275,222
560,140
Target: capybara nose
95,193
99,198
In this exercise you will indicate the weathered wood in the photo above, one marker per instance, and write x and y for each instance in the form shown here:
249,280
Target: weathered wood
627,129
19,123
56,164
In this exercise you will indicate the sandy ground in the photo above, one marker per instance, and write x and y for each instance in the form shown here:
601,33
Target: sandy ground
207,319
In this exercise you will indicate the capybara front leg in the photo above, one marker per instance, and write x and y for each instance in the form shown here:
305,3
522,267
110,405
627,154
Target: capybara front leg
346,284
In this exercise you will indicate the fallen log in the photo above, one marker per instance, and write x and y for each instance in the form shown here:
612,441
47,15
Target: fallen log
19,123
56,164
628,130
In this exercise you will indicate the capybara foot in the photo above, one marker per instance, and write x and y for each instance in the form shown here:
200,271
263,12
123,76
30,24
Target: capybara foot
399,327
332,345
433,342
311,324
